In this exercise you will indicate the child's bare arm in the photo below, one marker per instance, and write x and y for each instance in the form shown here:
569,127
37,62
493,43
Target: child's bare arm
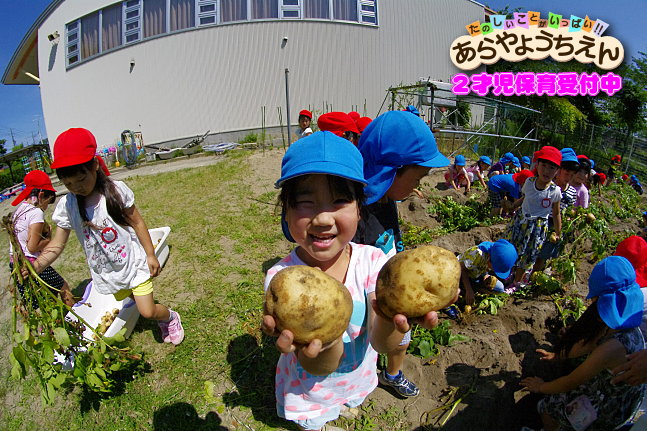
136,221
557,218
53,250
36,238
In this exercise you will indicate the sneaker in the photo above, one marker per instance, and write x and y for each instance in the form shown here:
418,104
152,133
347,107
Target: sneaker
400,383
164,330
175,329
451,312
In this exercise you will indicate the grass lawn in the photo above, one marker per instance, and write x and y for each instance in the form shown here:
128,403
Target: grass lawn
223,237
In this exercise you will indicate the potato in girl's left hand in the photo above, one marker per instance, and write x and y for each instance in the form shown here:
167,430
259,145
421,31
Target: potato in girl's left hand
418,281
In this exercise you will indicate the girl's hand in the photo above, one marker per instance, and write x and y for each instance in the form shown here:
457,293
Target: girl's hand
634,371
545,356
285,340
153,265
533,384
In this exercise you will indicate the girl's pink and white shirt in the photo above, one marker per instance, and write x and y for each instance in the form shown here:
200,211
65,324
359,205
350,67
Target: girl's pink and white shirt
300,395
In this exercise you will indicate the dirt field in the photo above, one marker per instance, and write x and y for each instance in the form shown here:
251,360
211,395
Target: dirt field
488,368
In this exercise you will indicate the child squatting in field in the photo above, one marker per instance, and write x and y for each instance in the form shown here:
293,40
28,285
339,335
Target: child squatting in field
109,227
322,193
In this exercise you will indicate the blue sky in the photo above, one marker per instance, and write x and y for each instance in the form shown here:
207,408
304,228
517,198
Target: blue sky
21,110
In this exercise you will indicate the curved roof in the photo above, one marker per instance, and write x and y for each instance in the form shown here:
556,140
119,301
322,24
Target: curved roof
23,66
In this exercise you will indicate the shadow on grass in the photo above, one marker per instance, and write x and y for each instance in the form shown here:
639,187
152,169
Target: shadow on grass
79,290
252,371
90,400
146,325
269,263
184,417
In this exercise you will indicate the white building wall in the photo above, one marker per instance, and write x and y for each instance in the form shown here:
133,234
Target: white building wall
218,78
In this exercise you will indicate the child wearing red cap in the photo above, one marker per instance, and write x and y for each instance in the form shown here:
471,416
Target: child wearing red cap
340,124
305,118
34,234
109,227
540,197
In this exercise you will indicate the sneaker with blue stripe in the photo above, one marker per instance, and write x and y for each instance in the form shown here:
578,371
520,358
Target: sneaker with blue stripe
400,384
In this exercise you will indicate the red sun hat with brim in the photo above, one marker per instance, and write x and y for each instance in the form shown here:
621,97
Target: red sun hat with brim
601,176
634,249
550,154
337,123
617,157
521,177
362,122
34,180
305,113
74,147
354,115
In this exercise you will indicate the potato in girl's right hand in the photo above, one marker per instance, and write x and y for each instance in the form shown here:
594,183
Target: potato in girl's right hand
309,304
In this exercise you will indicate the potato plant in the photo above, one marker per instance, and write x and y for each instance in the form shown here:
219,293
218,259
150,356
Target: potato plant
53,347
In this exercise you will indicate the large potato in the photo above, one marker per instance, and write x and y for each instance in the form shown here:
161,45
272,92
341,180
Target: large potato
310,303
418,281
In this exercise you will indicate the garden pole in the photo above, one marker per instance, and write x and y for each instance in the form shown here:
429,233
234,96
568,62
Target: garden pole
287,102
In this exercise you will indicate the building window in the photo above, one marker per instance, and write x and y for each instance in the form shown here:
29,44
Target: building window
290,9
154,17
89,35
182,14
233,10
132,21
72,43
265,9
207,12
345,10
319,9
111,27
368,11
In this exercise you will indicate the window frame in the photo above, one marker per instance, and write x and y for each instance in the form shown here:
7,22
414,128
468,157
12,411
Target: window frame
137,20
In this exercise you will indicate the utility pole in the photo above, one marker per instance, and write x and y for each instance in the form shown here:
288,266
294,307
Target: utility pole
13,139
33,138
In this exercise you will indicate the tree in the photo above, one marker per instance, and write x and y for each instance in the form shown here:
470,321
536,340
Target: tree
3,150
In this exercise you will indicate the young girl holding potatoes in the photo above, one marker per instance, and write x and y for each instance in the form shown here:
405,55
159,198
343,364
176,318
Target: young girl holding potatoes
322,191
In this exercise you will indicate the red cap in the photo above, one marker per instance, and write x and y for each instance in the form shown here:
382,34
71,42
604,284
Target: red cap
354,115
362,122
306,113
617,157
521,177
34,180
582,156
74,147
337,123
634,249
601,176
625,177
550,154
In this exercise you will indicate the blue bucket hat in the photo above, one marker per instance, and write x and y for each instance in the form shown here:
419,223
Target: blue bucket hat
460,160
392,140
506,158
485,159
515,161
322,153
568,155
413,110
525,159
620,300
503,256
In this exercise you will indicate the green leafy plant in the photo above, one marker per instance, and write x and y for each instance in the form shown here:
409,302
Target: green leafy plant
490,304
570,308
46,331
424,342
415,235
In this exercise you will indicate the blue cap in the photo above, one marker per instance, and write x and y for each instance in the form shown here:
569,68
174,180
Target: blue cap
645,213
459,160
392,140
507,158
592,163
322,153
525,159
485,159
516,162
412,109
568,155
620,300
503,256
